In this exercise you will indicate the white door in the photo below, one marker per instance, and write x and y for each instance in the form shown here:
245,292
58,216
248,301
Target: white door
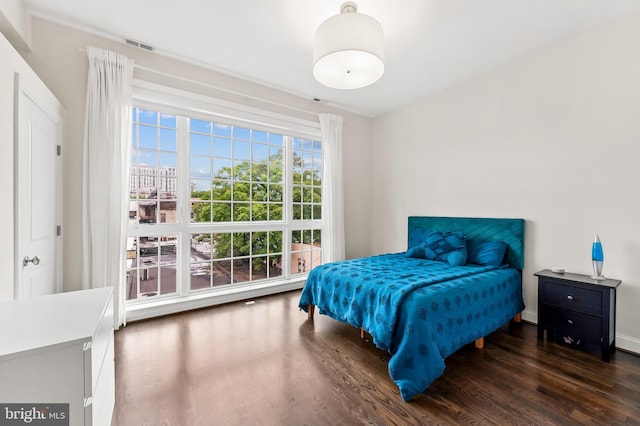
38,192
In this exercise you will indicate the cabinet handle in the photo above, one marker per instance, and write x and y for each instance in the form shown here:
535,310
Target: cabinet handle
570,321
570,297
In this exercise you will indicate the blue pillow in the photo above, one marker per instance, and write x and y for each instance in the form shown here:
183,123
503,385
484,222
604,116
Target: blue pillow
488,253
416,252
447,247
417,237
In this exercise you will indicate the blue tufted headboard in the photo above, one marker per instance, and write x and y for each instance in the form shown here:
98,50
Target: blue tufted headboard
511,231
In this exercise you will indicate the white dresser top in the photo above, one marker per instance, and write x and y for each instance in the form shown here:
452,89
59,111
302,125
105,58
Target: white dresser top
39,322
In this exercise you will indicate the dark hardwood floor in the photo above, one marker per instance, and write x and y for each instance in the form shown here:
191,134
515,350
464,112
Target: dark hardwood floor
266,364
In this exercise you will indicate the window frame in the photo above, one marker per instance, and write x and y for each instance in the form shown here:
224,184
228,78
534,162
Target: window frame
186,105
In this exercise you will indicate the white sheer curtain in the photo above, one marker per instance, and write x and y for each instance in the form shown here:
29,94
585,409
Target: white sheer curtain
107,142
332,189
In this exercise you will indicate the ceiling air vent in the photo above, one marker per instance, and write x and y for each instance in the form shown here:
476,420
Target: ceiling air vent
140,44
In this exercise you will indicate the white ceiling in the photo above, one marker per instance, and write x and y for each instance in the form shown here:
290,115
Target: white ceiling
429,44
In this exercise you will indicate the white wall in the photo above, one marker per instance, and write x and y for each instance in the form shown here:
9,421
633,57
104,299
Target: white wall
57,58
15,23
553,138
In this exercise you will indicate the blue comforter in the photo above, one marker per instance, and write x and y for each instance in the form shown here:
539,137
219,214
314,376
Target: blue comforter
420,311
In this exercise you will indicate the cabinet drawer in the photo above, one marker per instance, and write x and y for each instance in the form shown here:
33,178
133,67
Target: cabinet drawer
575,324
574,298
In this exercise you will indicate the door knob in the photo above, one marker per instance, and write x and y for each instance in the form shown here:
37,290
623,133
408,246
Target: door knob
35,260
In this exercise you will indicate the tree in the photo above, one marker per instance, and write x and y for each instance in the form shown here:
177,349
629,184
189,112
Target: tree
257,191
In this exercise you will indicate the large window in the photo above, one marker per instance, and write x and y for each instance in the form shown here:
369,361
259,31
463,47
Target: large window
215,204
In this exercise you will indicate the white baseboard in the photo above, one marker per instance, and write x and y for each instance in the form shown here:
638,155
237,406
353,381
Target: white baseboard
628,343
529,316
625,343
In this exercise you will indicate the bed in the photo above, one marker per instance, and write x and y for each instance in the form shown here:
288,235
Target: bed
422,309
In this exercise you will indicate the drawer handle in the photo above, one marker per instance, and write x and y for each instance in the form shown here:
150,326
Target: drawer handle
570,321
570,297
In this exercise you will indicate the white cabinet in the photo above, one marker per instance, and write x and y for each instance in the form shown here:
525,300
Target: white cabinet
59,349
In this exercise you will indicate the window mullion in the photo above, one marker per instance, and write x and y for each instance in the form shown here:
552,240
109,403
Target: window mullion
288,203
184,203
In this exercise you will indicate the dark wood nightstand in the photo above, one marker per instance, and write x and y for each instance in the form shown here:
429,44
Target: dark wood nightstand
577,306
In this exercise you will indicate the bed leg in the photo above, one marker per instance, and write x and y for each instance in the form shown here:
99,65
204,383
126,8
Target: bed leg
361,333
310,310
518,317
480,343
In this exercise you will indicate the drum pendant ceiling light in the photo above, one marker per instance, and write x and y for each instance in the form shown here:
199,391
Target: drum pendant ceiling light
349,50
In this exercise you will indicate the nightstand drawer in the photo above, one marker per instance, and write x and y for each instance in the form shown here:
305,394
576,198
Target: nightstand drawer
574,298
575,324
